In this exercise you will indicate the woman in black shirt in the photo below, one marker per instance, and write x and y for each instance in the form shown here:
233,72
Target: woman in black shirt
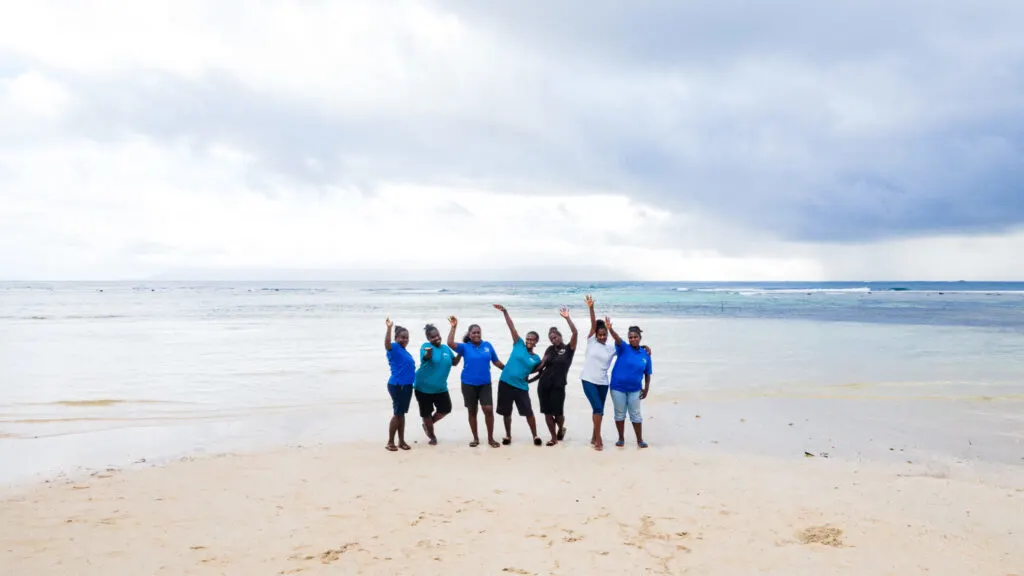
553,373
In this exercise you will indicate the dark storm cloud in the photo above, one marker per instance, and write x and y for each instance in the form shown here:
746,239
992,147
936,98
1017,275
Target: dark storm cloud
838,121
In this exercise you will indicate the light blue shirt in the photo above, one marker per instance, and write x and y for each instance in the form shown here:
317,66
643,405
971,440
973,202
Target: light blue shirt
520,364
432,375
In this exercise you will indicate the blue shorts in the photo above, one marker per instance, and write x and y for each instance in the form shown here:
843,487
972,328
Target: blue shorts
627,402
401,397
596,394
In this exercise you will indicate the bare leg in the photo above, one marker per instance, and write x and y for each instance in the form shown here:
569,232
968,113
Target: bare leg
596,440
550,420
560,420
620,426
532,421
489,422
401,433
472,426
392,429
638,430
508,429
428,428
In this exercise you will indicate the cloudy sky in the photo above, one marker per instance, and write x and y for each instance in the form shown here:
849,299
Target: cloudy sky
662,140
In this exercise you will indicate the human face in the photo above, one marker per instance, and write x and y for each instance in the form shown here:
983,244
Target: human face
601,335
475,336
402,338
434,337
634,339
531,341
555,338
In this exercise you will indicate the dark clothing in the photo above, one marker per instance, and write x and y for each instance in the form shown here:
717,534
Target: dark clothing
553,379
473,394
401,397
509,394
552,399
441,400
557,360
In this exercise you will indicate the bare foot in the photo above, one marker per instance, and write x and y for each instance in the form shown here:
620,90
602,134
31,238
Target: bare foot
552,442
474,443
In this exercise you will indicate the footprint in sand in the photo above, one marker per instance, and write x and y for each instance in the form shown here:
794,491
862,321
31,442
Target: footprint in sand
515,571
825,535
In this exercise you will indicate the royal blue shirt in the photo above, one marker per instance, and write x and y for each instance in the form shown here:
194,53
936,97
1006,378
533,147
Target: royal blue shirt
520,364
630,368
432,375
476,363
403,367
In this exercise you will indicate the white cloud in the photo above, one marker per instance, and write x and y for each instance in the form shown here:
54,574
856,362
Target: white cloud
419,136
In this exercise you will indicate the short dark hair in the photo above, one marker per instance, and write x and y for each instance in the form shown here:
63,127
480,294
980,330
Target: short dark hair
428,329
534,334
636,329
400,330
599,325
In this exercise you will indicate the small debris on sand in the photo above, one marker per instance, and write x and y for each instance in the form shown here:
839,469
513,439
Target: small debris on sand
825,535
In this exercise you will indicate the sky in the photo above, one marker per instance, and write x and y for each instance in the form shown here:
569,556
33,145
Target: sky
650,140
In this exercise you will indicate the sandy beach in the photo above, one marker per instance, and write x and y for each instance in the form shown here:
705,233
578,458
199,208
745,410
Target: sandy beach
357,509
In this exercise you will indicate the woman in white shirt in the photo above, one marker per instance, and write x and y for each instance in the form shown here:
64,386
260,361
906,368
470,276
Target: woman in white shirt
600,353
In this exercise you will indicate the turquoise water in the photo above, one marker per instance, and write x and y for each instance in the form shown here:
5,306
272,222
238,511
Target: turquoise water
105,374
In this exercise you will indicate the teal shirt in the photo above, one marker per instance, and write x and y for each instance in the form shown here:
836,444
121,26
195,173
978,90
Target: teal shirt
520,364
432,376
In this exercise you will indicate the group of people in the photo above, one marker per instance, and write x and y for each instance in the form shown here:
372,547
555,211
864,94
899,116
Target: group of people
629,380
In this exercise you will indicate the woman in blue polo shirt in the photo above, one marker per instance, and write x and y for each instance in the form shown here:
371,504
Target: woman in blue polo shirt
512,385
630,381
478,355
403,374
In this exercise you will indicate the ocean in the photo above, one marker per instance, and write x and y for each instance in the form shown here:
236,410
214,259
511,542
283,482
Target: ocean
96,375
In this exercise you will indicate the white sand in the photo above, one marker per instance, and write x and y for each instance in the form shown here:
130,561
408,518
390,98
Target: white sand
357,509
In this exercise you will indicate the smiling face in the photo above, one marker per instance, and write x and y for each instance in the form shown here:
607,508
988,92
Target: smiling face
601,335
402,337
555,337
434,337
531,340
475,335
634,339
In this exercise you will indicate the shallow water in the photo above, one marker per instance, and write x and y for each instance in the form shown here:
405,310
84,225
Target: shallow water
102,375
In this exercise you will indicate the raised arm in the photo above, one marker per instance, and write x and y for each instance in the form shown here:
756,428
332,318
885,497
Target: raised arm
508,320
564,312
593,318
387,335
454,322
615,336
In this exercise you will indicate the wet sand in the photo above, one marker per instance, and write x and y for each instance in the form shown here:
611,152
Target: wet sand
356,508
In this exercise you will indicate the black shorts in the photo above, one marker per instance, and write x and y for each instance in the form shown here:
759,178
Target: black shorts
552,399
442,401
508,395
474,395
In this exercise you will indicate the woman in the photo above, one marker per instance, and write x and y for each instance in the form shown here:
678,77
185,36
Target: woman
476,377
599,356
403,374
436,361
553,375
632,368
512,384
